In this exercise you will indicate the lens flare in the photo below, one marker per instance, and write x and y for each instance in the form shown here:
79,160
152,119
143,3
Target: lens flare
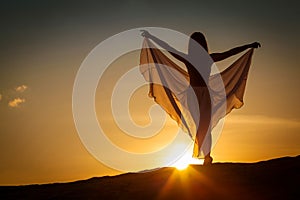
186,160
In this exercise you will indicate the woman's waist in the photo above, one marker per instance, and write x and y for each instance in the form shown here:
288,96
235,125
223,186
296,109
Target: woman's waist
198,83
197,80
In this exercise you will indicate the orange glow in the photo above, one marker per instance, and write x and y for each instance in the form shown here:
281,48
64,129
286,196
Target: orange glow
186,160
185,182
181,166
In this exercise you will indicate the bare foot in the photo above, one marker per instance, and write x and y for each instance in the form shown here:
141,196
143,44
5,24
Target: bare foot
208,160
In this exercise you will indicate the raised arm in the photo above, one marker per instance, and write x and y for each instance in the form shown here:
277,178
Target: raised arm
221,56
177,54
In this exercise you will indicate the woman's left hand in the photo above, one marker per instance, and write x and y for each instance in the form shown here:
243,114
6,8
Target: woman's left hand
145,33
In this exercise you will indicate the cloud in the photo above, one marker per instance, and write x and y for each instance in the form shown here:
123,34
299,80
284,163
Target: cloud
21,88
16,102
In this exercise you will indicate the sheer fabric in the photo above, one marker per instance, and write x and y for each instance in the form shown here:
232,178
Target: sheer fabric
170,88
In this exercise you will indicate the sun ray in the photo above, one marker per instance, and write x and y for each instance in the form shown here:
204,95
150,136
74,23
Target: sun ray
186,160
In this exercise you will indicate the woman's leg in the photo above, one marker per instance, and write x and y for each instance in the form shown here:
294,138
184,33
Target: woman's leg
207,148
203,137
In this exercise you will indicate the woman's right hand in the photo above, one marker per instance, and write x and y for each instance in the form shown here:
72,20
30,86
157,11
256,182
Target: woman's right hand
255,45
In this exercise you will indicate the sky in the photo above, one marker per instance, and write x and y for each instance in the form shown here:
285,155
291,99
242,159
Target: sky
43,44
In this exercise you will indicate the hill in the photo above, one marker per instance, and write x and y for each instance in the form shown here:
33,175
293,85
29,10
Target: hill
273,179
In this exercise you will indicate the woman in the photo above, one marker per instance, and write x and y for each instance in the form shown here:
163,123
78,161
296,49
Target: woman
199,84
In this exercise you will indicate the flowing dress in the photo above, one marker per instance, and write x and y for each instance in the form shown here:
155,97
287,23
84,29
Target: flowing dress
196,108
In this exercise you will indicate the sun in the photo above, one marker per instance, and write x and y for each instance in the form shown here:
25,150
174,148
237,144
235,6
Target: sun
181,166
185,161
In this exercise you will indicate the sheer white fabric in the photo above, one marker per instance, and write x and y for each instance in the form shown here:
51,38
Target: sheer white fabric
170,88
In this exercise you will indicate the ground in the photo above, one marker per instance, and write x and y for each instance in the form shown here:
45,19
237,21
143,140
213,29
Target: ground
273,179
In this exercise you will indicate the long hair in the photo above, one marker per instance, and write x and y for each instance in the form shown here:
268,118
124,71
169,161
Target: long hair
200,38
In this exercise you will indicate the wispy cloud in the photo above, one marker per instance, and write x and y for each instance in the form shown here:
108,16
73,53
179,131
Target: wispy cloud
16,102
21,88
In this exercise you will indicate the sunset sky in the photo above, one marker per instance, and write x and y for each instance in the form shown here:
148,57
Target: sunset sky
43,44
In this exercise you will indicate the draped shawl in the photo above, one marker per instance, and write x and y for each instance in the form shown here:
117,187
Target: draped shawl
170,88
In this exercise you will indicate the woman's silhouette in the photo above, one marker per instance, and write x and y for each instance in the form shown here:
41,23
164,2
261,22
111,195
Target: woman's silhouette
199,83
